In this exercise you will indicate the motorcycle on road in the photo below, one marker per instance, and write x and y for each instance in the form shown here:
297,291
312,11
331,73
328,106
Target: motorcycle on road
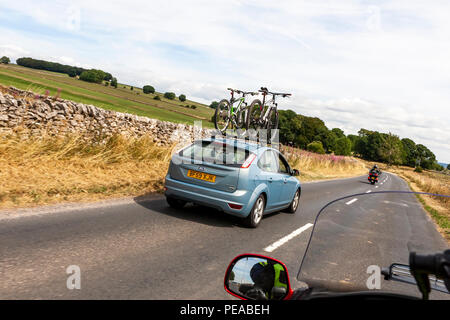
373,178
381,247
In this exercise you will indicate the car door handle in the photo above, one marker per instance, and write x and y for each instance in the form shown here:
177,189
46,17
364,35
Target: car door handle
270,180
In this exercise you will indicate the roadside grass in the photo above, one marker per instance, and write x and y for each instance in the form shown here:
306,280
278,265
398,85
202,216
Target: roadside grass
48,170
313,166
430,182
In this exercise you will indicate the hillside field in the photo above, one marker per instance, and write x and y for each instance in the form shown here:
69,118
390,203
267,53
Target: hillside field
121,99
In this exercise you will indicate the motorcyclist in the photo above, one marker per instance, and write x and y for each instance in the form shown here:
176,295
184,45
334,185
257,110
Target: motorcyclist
375,170
266,277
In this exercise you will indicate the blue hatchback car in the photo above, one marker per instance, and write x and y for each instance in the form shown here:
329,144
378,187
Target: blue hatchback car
239,177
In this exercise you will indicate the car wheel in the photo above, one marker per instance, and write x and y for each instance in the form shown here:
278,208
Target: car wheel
255,216
175,203
295,202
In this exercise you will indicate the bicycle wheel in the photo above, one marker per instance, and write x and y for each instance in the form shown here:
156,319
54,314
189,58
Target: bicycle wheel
272,124
222,116
254,114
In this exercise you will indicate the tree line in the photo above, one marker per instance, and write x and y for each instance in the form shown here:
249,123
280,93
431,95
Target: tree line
92,75
310,133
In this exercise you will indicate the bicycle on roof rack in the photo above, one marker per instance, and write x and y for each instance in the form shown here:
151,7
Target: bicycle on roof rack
264,115
228,115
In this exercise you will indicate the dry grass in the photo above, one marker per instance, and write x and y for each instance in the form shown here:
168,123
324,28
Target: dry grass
46,169
49,170
314,166
431,182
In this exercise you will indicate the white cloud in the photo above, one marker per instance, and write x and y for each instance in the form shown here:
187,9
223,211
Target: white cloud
343,61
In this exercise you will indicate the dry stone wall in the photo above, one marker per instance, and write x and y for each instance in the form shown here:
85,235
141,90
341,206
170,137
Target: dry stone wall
42,114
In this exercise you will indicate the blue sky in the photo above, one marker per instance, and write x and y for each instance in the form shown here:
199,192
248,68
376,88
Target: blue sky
380,65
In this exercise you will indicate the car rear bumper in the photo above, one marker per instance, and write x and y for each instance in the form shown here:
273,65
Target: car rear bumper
217,199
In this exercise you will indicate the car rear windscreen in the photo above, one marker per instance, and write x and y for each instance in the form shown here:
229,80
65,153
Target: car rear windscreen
215,152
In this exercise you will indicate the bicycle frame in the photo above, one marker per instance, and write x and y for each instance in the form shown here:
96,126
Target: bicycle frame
271,104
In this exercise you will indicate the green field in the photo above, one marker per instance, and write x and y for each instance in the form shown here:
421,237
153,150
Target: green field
120,99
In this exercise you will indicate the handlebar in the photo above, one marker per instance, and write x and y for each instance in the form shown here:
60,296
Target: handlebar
423,265
242,92
265,91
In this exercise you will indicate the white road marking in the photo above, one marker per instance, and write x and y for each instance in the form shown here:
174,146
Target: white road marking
376,187
369,191
285,239
351,201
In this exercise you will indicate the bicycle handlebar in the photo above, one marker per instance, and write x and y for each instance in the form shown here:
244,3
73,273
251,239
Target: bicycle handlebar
242,92
265,91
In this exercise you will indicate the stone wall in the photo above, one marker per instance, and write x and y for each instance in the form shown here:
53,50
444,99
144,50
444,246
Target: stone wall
37,114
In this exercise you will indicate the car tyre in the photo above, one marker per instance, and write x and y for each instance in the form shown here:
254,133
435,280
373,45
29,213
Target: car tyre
175,203
254,218
295,202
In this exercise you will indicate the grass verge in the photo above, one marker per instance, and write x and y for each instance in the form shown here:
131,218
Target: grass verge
430,182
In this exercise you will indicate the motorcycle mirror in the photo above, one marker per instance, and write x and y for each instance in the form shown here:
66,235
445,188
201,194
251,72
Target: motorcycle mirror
257,277
295,173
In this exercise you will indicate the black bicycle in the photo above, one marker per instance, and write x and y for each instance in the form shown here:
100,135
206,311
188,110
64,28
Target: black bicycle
228,115
264,115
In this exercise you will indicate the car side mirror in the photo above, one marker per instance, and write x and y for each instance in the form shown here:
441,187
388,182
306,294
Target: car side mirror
295,173
257,277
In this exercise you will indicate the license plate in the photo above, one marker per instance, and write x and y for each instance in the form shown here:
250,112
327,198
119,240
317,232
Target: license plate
201,176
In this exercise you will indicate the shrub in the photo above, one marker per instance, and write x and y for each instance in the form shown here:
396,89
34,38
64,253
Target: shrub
148,89
169,95
194,107
214,104
114,83
418,169
182,98
95,76
4,60
156,97
316,146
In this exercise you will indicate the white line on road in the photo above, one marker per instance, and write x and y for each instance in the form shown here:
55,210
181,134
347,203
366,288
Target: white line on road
369,191
376,187
351,201
285,239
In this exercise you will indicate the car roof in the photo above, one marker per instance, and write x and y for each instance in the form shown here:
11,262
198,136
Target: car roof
251,146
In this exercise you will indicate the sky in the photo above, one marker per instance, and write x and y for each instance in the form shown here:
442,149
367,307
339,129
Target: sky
379,65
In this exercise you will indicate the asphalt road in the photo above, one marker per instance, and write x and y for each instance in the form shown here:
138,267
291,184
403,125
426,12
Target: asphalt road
143,249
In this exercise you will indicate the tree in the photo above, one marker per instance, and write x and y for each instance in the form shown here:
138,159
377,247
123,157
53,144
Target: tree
5,60
108,77
170,95
214,104
182,97
93,75
391,149
343,146
131,88
410,152
316,146
148,89
114,83
448,166
73,73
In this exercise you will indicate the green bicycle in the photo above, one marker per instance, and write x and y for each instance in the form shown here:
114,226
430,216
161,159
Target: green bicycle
229,116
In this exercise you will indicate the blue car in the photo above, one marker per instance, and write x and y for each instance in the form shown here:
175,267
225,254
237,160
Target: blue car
239,177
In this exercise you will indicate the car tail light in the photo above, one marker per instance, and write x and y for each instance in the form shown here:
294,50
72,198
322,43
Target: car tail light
249,161
235,206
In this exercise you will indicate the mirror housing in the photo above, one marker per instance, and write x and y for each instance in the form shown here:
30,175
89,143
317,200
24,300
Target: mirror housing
257,277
